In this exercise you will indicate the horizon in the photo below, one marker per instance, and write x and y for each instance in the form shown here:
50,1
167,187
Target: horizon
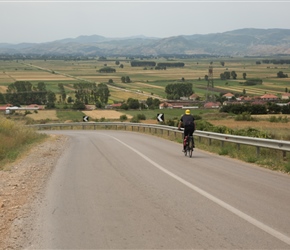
136,36
46,21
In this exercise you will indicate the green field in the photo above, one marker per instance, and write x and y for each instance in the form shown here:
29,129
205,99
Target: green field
146,81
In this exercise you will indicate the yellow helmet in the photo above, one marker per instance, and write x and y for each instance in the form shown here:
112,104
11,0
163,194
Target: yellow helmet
187,112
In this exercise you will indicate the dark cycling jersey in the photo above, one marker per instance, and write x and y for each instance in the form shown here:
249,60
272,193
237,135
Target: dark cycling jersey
187,121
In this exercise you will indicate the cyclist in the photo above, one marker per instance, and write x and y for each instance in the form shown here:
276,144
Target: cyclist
187,121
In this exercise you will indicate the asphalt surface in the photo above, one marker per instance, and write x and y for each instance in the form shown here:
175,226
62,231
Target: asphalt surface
127,190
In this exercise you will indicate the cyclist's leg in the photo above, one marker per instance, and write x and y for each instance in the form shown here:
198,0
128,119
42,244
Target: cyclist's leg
185,134
191,134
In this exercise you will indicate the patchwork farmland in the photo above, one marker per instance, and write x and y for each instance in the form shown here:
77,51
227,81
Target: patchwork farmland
146,81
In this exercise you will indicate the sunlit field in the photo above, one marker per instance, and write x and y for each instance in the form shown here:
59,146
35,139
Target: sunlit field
145,79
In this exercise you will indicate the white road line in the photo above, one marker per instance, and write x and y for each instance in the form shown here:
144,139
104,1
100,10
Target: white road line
230,208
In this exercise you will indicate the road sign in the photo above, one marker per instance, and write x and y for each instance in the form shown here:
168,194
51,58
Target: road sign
160,117
85,118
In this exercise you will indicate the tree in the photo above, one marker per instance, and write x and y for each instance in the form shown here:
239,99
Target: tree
234,74
128,80
280,74
223,76
103,92
51,98
2,98
152,103
62,92
226,75
244,75
133,103
222,63
177,90
107,70
78,105
125,79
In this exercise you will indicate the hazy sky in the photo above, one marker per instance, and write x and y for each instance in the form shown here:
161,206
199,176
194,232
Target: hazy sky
45,21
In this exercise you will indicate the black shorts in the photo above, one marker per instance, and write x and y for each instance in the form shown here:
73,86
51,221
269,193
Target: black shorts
188,130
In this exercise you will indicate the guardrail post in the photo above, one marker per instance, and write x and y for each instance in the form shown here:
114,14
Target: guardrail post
258,151
238,146
222,144
209,141
284,155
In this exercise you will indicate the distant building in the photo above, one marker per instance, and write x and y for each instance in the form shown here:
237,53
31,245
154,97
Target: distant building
35,106
228,95
165,105
212,105
285,96
269,97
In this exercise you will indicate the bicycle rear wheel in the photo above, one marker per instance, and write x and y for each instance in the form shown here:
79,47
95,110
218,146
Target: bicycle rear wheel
190,147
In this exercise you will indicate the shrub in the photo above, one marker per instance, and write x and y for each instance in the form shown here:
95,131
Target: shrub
123,118
135,119
141,117
245,116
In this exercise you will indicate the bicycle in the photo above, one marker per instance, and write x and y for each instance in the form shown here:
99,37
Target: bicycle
189,145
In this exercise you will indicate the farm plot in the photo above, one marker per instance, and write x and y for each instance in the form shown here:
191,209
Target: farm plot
107,114
3,89
44,115
38,76
123,95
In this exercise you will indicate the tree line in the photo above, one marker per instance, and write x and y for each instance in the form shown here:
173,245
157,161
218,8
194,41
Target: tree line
176,90
153,64
256,109
24,93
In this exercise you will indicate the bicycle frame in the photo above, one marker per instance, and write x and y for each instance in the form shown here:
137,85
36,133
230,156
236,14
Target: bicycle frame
189,145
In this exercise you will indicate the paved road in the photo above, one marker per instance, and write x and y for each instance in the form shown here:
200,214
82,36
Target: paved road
120,190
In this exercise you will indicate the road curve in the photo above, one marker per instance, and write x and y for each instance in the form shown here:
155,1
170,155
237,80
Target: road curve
121,190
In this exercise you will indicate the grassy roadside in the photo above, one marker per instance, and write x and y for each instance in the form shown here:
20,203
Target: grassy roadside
15,140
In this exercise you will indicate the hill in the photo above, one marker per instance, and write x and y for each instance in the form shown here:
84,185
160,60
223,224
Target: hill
242,42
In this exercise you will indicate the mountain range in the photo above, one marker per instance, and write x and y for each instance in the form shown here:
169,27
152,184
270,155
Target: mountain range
242,42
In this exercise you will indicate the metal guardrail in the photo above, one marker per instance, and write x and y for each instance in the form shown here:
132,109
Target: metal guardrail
283,146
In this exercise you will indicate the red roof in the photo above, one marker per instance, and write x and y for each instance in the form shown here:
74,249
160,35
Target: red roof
269,96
